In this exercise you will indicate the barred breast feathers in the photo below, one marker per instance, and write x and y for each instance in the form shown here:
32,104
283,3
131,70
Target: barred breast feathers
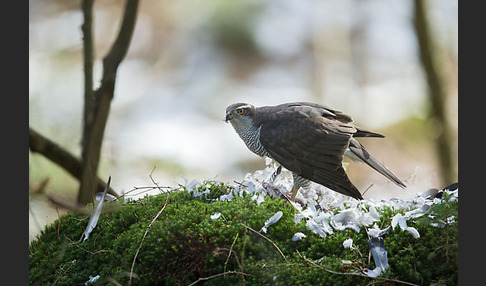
251,137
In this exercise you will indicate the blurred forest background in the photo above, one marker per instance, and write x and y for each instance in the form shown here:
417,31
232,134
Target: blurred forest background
188,60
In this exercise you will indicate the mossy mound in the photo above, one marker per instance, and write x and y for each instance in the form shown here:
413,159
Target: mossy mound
185,244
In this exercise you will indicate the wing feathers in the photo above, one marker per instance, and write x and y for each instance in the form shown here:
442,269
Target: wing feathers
311,140
360,132
366,157
309,145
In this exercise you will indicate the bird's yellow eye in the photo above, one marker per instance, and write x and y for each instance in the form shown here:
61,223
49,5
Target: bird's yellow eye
240,111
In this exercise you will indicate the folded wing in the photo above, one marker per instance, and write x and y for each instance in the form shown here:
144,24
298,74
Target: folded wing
311,141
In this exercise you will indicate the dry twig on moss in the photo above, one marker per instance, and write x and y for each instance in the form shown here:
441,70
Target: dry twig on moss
268,239
217,275
147,230
353,273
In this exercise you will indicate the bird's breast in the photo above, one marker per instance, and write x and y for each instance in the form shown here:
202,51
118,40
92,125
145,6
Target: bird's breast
252,140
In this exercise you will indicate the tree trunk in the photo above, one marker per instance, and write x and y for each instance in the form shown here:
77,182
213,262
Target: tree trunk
437,93
97,107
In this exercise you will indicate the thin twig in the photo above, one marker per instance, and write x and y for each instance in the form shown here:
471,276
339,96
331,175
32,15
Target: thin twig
328,270
230,251
236,258
153,181
65,271
242,266
240,183
281,253
145,234
367,189
58,222
217,275
351,273
76,243
73,207
150,188
146,189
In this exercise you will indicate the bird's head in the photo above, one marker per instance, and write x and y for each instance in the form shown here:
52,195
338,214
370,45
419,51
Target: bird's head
240,114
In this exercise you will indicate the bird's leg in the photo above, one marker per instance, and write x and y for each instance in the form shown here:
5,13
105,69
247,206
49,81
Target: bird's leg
293,193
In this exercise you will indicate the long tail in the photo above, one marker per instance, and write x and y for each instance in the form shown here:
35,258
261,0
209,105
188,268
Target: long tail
362,155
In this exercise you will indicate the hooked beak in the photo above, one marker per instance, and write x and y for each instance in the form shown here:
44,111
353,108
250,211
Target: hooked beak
228,117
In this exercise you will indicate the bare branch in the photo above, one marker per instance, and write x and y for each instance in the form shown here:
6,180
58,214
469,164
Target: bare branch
61,157
61,203
120,47
230,252
217,275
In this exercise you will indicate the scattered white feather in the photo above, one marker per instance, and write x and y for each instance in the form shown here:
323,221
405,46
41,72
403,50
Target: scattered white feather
372,272
276,217
298,236
227,198
323,217
325,225
348,243
92,279
96,213
216,216
298,217
413,231
316,228
348,218
398,219
375,231
379,253
374,213
311,207
197,194
251,188
260,199
450,220
365,219
418,212
321,203
192,185
108,197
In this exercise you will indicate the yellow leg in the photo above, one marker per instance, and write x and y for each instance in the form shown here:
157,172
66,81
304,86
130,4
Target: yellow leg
294,193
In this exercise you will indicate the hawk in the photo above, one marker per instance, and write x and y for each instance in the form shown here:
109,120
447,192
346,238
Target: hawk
308,139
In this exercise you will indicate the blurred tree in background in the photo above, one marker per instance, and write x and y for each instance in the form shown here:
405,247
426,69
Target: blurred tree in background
96,105
434,72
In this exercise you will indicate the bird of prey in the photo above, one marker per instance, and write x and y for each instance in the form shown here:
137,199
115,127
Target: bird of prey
308,139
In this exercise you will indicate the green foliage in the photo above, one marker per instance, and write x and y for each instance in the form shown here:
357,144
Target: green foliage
185,244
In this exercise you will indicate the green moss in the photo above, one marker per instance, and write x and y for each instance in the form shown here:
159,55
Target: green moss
184,244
